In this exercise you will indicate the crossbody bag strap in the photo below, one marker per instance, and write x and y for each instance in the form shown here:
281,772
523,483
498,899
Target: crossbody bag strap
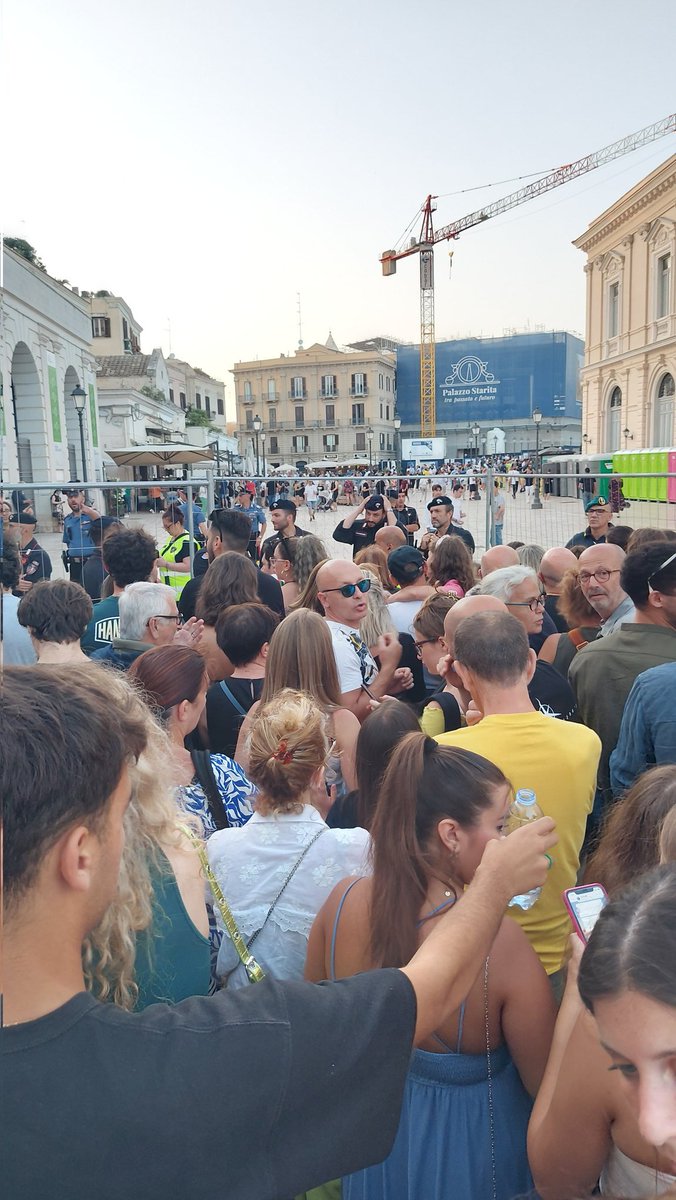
255,972
232,698
286,883
577,639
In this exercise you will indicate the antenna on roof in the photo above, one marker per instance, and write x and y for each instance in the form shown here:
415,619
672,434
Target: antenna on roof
300,323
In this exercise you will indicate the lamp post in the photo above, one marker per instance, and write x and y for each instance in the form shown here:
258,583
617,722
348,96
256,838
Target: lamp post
369,435
476,430
627,435
79,398
257,425
537,417
263,436
397,442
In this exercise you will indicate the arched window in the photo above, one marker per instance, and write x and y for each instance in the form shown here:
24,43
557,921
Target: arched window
664,411
614,420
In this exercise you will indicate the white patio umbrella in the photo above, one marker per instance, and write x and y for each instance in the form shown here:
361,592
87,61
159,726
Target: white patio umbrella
324,464
158,455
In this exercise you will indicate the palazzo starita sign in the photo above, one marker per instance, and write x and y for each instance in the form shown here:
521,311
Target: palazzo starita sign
469,380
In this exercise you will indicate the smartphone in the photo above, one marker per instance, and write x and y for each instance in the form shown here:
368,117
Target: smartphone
585,905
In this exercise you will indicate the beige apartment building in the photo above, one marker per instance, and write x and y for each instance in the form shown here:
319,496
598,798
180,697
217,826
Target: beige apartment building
319,403
630,342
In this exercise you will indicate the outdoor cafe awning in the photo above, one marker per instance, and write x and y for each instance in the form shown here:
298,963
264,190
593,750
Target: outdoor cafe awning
158,455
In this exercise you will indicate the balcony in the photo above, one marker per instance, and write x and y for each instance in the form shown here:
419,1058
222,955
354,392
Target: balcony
359,391
246,398
329,395
272,397
295,396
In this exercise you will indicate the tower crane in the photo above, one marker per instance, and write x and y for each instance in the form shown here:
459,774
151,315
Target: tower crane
428,238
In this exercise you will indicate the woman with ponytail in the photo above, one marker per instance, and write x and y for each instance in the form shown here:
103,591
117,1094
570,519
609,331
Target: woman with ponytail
462,1133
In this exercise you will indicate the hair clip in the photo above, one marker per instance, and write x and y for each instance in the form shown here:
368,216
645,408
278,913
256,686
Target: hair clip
282,754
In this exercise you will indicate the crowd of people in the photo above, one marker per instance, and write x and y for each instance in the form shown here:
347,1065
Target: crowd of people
260,930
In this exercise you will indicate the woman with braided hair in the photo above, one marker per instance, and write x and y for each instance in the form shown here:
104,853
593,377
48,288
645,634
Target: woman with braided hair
277,871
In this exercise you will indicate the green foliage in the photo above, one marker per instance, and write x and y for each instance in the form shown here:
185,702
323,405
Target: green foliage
19,246
195,416
154,393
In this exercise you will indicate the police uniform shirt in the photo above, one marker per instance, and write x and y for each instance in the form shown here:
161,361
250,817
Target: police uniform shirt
255,514
407,516
76,536
35,563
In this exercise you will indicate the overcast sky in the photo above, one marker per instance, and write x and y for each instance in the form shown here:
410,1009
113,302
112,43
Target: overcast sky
208,161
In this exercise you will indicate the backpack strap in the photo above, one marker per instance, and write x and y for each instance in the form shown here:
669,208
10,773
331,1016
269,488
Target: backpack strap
232,698
201,760
577,639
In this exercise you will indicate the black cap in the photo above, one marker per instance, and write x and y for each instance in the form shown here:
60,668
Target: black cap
374,504
22,519
392,494
285,505
405,563
438,501
72,491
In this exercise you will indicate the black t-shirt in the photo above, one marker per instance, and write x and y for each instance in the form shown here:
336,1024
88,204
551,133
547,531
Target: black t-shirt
224,719
269,592
256,1094
551,694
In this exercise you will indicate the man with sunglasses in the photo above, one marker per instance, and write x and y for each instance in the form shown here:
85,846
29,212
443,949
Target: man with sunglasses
342,592
600,570
603,672
598,513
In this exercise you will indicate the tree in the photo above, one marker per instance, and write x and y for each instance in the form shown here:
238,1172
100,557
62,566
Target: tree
19,246
196,416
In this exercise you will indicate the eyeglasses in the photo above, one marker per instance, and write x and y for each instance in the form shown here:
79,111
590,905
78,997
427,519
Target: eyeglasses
533,605
167,617
349,589
426,642
601,576
665,564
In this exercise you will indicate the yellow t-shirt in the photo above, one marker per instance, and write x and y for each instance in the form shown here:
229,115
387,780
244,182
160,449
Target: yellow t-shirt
559,761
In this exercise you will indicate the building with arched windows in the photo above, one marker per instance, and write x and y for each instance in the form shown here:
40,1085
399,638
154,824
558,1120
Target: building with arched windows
628,399
45,355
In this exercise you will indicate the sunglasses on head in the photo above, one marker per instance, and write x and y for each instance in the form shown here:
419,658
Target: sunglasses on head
349,589
667,563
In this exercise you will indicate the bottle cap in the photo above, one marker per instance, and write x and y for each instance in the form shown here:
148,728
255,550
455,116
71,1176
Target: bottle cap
525,796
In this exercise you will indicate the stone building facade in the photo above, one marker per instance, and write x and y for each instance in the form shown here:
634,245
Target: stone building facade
630,343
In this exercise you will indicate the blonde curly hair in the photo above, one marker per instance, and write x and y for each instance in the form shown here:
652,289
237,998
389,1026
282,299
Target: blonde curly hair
151,821
288,744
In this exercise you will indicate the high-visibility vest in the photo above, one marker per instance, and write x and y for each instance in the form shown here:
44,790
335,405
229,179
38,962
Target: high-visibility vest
174,550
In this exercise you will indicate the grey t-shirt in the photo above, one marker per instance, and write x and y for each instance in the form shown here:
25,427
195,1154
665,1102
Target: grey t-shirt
17,648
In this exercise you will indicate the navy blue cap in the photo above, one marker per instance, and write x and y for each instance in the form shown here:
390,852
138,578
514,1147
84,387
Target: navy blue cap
438,501
374,504
405,563
284,505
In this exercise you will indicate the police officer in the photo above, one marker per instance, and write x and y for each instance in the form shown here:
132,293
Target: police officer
406,516
35,562
358,531
246,504
76,537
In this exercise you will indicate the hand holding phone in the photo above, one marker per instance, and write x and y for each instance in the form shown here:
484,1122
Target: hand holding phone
585,905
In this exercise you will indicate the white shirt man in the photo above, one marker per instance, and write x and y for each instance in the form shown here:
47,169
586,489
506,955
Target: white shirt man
341,590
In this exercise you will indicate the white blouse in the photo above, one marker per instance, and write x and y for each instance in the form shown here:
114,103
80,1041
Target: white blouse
252,863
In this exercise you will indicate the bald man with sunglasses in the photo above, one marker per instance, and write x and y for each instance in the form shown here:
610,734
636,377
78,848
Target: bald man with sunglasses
342,591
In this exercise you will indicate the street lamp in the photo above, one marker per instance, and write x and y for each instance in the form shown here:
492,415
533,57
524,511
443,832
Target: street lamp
397,447
537,417
257,425
79,398
369,434
476,430
263,436
627,435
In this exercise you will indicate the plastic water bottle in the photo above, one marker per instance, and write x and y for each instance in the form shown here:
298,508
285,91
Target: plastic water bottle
522,811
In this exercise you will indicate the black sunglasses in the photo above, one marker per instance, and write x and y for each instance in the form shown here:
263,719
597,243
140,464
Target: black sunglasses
349,589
